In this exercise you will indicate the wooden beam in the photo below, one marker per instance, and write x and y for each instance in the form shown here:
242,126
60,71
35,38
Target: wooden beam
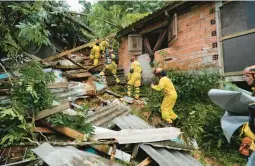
237,73
22,144
135,151
155,27
94,67
53,110
77,64
42,130
58,85
60,55
238,34
145,162
66,67
112,93
66,131
79,75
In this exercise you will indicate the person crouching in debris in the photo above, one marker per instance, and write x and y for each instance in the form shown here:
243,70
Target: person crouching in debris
111,65
95,53
249,127
134,77
170,96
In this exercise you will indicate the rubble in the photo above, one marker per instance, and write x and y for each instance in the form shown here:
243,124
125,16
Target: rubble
78,86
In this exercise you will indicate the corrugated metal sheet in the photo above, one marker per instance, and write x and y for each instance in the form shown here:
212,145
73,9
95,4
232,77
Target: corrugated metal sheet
128,136
69,156
103,117
162,156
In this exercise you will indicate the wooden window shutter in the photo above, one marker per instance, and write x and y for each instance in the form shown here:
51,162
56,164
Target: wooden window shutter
135,44
172,30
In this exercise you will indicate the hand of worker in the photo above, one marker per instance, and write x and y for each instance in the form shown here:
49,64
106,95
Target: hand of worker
152,85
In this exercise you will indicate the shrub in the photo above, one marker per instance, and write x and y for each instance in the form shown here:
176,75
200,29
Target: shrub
198,117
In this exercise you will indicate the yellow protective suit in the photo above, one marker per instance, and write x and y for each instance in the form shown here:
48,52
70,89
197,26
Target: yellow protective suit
95,54
169,100
113,67
104,45
134,79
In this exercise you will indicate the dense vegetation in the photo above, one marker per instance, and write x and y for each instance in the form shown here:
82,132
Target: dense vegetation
108,17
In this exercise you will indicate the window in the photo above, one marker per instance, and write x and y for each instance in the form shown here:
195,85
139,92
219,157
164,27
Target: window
172,30
135,44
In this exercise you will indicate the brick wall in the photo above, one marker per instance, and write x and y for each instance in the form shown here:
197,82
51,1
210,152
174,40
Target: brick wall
124,58
193,48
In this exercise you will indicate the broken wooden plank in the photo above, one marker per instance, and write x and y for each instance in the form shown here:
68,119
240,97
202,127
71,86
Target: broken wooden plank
42,130
113,93
58,85
61,107
94,67
74,71
66,67
24,144
135,151
145,162
66,131
79,75
77,64
90,44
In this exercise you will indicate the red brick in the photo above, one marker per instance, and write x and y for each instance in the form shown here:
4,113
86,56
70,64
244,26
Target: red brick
195,27
212,16
181,27
195,17
196,49
191,34
213,39
184,57
200,42
183,36
195,38
201,20
187,41
191,23
205,25
200,32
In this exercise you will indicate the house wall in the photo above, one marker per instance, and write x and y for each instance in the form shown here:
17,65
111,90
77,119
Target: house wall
124,58
193,49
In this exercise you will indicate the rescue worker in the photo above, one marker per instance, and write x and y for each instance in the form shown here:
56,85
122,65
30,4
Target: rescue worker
95,53
104,45
134,77
111,65
249,77
249,127
170,96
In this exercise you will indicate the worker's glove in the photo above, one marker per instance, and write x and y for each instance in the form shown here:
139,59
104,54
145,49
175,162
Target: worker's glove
101,73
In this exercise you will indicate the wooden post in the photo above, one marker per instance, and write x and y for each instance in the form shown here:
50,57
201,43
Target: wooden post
77,64
53,110
145,162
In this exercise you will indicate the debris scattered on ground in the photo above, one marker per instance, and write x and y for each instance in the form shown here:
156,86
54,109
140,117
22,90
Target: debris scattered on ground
60,134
